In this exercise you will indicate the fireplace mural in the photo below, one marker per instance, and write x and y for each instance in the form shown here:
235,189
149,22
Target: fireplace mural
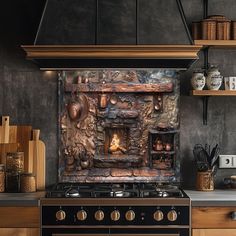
119,126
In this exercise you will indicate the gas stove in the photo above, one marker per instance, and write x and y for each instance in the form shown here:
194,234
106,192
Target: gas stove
107,209
124,190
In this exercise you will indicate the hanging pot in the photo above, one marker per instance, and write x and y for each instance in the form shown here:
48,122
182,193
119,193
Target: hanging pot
74,110
78,108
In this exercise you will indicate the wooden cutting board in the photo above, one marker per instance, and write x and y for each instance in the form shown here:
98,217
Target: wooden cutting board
5,129
37,159
15,136
5,148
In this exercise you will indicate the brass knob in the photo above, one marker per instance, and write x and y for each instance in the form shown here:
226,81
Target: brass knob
60,215
130,215
172,215
81,215
115,215
99,215
158,215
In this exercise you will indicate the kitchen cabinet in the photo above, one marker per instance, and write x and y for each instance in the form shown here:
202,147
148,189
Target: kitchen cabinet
19,221
213,221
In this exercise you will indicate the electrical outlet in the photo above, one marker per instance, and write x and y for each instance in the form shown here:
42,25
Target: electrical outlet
227,161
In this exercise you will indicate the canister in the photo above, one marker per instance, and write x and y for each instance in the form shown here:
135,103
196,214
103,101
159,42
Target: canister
15,162
12,182
209,29
223,30
27,183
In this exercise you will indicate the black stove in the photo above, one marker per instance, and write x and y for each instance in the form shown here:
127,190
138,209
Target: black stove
106,209
124,190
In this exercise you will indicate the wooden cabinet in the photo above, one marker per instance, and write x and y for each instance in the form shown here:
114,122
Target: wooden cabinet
213,221
19,221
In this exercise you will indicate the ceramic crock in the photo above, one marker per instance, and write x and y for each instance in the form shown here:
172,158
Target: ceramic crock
198,80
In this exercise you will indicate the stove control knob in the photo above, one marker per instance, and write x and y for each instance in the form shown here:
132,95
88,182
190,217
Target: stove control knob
158,215
172,215
60,215
130,215
115,215
81,215
99,215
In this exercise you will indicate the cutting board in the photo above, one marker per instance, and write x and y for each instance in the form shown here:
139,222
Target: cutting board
5,129
5,148
37,159
13,136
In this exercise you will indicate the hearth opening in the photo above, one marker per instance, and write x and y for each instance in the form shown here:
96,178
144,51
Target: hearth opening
116,141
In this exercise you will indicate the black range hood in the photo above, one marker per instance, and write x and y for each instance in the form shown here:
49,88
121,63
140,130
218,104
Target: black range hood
113,34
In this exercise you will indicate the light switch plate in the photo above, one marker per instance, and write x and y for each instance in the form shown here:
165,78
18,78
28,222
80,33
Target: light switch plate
227,161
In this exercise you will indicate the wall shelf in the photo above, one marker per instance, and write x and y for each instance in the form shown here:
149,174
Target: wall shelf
213,92
225,44
205,94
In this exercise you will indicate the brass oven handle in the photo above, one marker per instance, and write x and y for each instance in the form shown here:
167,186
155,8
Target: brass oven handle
233,215
58,234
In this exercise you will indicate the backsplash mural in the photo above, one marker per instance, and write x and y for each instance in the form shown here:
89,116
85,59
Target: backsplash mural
119,126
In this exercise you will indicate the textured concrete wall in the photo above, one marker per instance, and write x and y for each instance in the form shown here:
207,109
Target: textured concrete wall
30,96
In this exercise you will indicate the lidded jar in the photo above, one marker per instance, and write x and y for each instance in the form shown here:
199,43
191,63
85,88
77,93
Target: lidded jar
15,162
198,79
214,78
27,183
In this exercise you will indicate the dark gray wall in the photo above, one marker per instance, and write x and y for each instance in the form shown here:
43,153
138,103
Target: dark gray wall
29,96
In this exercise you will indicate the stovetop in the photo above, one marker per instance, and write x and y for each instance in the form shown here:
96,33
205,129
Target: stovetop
113,190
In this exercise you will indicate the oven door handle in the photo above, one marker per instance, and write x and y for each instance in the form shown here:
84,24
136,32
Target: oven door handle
162,234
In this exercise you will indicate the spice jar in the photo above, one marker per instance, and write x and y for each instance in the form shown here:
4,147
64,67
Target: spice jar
2,178
12,182
27,183
15,162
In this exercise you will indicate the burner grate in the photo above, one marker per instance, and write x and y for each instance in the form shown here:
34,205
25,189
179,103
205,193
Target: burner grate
122,190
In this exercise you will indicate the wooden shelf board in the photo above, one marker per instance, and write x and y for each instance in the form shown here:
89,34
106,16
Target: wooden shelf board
119,88
213,92
217,43
153,131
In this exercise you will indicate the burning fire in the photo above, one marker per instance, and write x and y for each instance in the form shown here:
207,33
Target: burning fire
115,145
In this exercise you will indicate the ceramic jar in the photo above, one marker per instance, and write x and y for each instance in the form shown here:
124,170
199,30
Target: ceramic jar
214,79
198,80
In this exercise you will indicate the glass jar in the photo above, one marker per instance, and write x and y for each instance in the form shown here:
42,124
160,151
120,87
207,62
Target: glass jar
2,178
12,182
15,162
27,183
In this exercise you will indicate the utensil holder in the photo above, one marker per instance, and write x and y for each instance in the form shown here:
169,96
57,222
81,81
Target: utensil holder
205,181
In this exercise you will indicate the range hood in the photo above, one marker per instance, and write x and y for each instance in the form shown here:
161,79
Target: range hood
112,34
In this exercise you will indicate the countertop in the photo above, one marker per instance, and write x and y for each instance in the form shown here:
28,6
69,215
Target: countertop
198,198
21,199
212,198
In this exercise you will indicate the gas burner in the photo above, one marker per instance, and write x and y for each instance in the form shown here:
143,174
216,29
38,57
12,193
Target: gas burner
72,193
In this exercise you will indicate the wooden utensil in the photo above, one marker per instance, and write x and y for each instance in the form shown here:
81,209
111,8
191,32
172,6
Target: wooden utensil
4,130
37,159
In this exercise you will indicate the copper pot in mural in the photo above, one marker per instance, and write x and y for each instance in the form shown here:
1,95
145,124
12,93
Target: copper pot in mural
78,108
74,110
103,100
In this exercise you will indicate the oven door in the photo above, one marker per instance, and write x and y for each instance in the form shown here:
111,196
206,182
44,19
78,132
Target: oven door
119,231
